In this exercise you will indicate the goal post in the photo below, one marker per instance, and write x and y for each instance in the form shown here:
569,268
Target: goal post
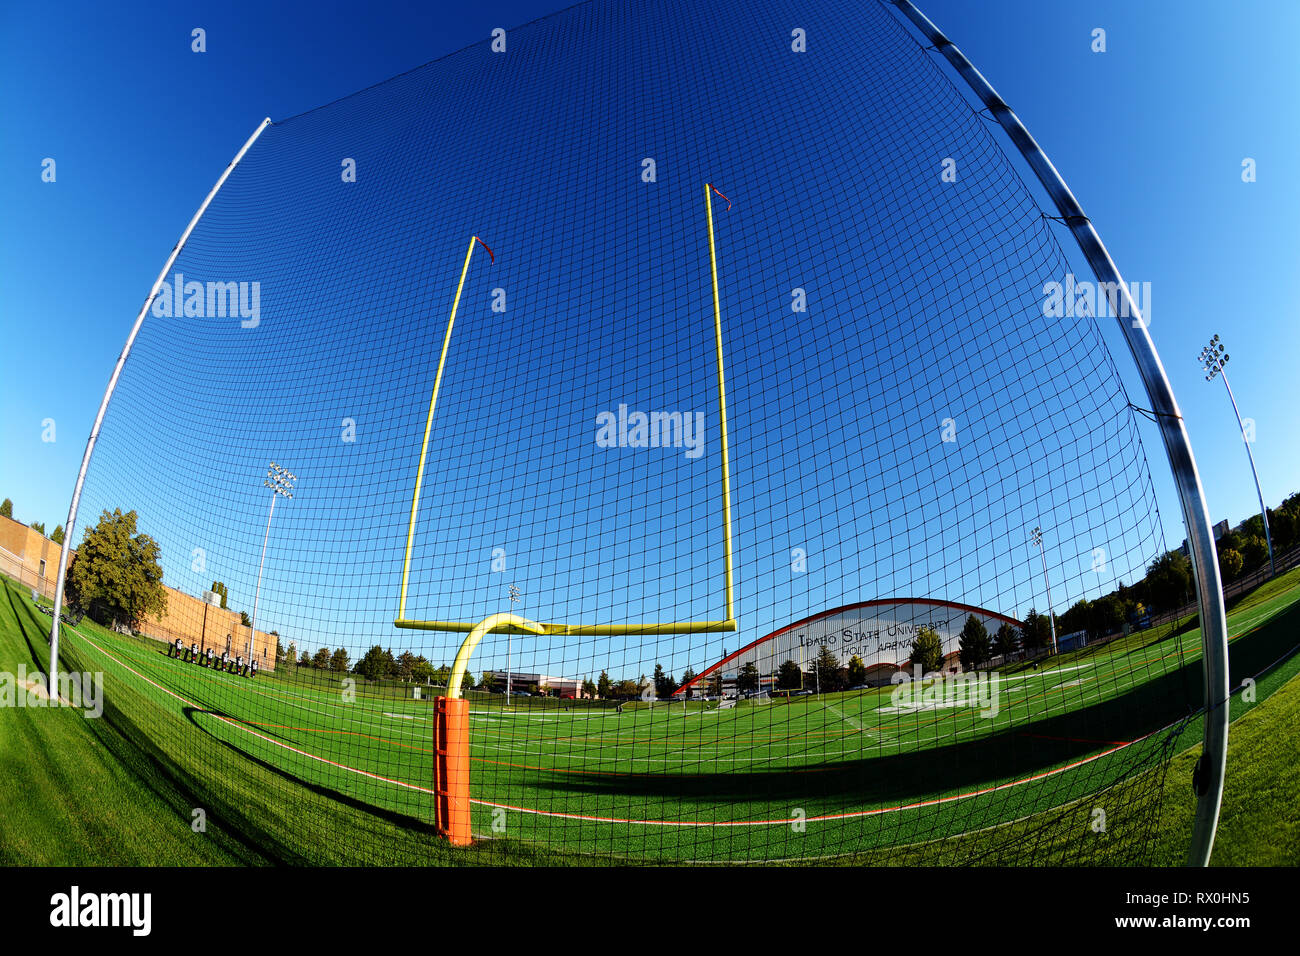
728,623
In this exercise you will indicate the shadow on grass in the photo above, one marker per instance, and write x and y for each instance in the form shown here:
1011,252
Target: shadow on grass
1011,753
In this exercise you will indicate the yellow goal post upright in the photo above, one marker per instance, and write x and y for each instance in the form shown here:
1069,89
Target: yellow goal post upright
451,712
559,628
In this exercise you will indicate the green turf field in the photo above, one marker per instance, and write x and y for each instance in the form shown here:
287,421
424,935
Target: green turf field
295,771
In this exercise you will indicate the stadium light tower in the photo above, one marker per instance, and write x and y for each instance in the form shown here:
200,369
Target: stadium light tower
514,599
1213,359
280,481
1037,537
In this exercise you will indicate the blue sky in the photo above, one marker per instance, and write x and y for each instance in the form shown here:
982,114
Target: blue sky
1150,135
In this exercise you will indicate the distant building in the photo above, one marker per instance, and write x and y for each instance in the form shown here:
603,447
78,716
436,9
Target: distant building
532,683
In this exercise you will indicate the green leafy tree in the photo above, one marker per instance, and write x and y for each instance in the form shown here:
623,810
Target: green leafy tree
663,682
688,675
219,588
115,576
372,665
1253,527
588,688
422,670
38,526
304,660
1106,617
1076,618
57,534
828,671
857,671
466,682
1037,632
244,619
6,509
489,680
1254,551
927,650
291,654
603,686
405,665
339,662
747,679
1169,580
789,676
974,646
1006,640
321,660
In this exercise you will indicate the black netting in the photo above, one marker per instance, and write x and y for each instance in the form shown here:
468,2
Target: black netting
901,415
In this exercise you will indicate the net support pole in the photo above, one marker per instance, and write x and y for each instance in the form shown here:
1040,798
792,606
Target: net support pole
70,525
1208,780
451,735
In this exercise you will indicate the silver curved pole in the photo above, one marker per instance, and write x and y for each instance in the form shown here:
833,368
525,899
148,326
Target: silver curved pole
70,524
1200,538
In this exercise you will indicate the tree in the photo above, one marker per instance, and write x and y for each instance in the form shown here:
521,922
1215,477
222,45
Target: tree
625,690
322,659
405,665
339,662
466,681
588,688
828,671
244,619
115,576
1254,551
1006,640
1169,579
219,588
38,526
747,679
304,660
373,666
664,685
6,509
1230,563
603,686
1037,632
291,654
489,680
1106,617
974,647
1077,618
422,670
688,675
789,676
57,534
857,671
927,650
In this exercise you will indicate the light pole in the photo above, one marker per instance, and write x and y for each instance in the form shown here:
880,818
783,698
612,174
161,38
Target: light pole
1037,537
514,599
280,481
1213,359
